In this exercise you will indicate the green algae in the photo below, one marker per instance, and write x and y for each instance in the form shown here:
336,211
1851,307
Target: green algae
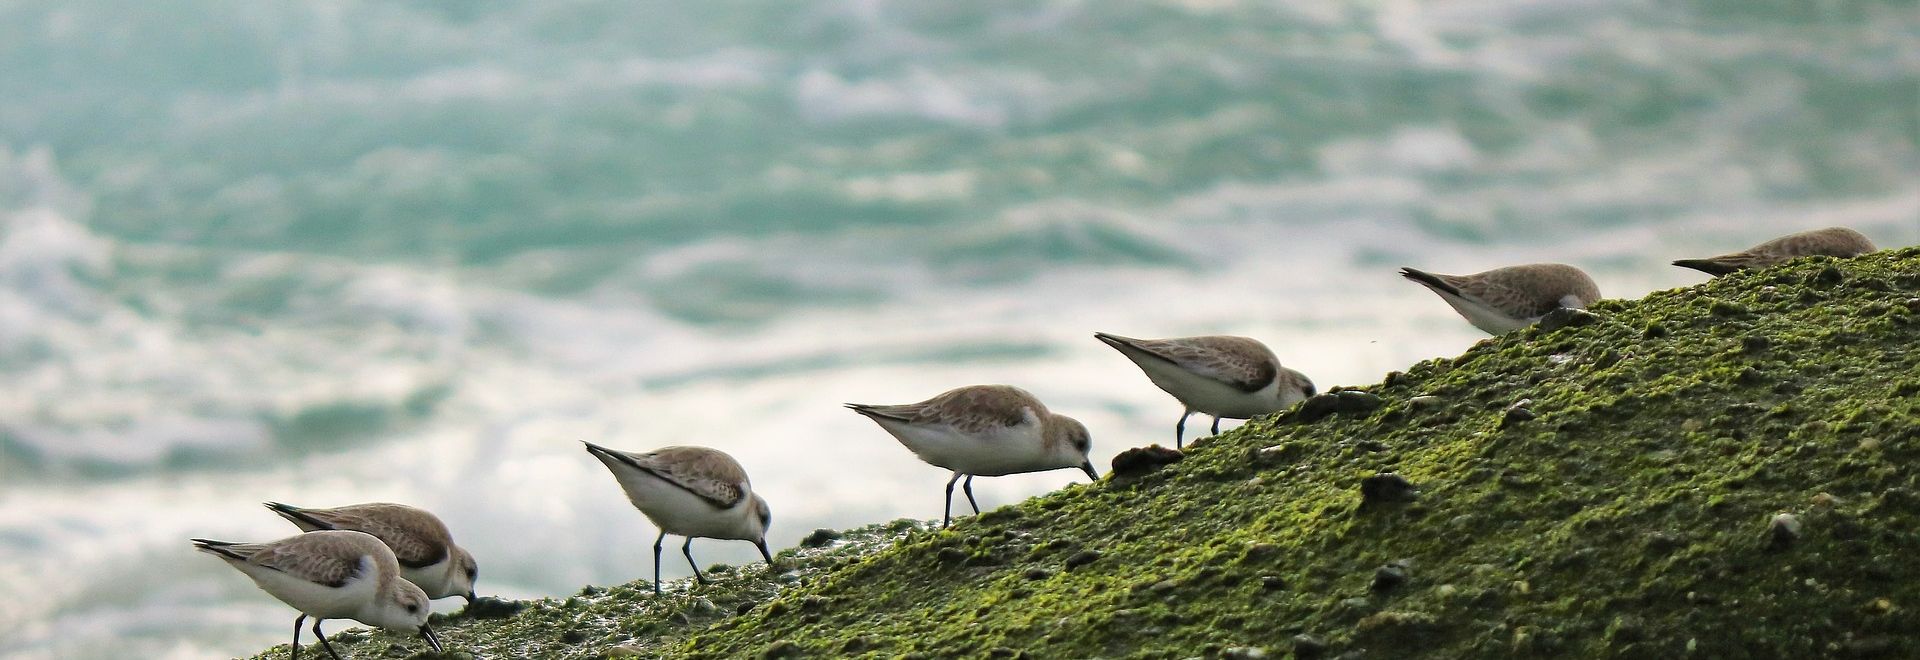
1625,514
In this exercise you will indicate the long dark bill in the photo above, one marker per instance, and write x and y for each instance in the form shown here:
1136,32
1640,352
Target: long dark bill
426,633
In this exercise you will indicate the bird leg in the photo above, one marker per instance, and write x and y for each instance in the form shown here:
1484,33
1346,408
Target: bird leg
967,487
323,639
662,538
687,549
1180,429
1216,425
295,653
946,512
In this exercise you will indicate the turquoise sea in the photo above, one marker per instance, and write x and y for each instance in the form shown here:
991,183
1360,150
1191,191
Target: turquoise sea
326,252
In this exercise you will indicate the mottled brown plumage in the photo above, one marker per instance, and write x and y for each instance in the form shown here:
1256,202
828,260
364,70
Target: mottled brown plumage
1510,298
971,409
417,537
1240,362
328,559
1832,242
708,473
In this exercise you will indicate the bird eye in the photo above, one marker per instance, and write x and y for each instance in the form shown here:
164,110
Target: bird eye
413,609
473,574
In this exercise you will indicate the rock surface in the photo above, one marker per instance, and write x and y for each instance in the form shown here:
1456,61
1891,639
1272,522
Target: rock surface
1624,520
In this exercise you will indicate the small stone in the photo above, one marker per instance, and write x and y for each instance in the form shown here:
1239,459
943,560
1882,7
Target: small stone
574,636
1755,343
1782,531
1517,413
782,649
1426,402
1725,308
1272,582
1825,500
820,538
1386,487
1082,558
1308,647
1391,576
951,555
1037,573
1243,653
1002,652
489,607
1319,406
1262,551
1141,461
1164,586
1566,317
1827,276
1663,542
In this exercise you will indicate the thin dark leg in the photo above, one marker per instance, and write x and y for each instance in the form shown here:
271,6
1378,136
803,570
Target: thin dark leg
967,487
687,549
323,639
656,560
1216,425
295,653
946,512
1180,429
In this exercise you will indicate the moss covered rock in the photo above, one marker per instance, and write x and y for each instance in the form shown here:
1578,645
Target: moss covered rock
1634,510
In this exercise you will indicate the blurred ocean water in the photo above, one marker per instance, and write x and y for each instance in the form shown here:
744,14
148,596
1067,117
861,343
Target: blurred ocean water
331,252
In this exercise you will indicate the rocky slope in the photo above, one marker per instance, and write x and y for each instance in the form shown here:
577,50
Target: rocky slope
1721,471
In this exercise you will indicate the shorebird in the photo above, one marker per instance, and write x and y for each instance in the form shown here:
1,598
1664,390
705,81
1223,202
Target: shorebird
423,545
1222,376
1832,242
331,575
987,431
1506,299
692,492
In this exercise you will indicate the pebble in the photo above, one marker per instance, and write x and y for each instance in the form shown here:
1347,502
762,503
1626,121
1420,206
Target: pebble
1782,531
1517,413
820,538
1391,576
1140,461
1082,558
1566,317
1386,487
1308,647
1244,653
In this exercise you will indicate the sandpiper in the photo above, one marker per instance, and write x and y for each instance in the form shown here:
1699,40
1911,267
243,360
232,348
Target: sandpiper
1832,242
422,544
1506,299
692,492
1222,376
987,431
334,574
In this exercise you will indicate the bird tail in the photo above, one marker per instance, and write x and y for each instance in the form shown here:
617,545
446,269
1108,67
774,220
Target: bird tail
878,412
1429,279
221,549
306,521
1709,266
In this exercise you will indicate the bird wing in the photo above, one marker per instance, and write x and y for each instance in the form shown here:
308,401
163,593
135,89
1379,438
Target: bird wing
1238,362
317,557
709,474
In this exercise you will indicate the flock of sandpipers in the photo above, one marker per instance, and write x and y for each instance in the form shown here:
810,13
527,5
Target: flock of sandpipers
382,564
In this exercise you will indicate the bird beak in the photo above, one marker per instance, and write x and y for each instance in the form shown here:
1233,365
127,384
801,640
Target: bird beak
1087,467
762,545
471,597
426,633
